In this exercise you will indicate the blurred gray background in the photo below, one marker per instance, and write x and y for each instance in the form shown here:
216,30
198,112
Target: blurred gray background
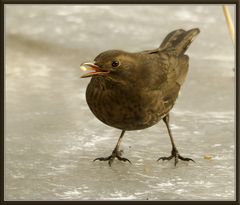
51,136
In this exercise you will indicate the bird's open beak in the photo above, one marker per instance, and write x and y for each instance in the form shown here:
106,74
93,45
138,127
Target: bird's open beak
92,66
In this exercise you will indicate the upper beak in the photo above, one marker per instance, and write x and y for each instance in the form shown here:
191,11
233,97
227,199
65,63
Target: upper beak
91,66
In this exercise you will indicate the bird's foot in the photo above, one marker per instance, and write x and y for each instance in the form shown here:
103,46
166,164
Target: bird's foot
115,154
176,156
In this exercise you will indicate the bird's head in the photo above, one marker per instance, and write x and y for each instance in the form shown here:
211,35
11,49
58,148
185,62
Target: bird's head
113,65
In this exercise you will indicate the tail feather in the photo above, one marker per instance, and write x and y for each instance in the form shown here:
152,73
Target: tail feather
171,37
179,40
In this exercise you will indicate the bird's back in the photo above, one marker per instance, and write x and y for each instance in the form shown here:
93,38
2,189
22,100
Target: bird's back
175,45
168,72
173,62
158,78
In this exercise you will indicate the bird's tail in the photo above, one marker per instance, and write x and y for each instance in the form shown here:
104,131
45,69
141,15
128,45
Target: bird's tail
179,40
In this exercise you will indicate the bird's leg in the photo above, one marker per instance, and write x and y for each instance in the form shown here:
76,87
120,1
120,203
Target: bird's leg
174,154
115,154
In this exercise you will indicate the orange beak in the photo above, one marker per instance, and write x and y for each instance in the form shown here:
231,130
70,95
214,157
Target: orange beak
92,66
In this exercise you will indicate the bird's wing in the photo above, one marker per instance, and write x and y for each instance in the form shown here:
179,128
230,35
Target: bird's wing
171,64
181,69
174,46
177,70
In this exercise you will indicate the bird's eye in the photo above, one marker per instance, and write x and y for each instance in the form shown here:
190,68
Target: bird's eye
115,64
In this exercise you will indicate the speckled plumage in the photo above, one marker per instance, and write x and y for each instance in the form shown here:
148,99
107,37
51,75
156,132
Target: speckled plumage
143,88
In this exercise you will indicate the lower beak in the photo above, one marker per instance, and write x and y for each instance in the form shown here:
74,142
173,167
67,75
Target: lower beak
92,66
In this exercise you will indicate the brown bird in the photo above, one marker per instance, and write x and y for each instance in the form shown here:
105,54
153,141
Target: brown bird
134,91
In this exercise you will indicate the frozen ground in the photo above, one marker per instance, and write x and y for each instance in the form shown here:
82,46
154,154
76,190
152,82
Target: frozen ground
51,136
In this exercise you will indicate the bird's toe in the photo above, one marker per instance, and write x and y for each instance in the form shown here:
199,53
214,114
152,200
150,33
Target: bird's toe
185,159
176,157
111,158
123,159
165,158
102,158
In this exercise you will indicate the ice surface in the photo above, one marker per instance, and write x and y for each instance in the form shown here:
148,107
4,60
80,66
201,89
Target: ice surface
52,137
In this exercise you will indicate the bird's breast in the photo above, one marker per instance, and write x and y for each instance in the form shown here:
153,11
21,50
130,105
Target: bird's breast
125,109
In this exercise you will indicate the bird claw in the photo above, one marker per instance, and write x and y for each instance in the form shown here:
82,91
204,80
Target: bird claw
185,158
165,158
102,158
177,156
111,158
123,159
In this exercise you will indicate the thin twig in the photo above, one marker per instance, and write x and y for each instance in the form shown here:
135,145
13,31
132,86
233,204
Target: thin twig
229,22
